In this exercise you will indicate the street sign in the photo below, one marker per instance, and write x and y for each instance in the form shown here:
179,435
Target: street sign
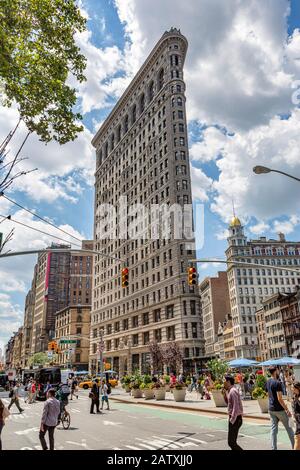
67,341
50,354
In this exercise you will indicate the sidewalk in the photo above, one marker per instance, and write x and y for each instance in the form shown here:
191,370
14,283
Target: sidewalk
191,403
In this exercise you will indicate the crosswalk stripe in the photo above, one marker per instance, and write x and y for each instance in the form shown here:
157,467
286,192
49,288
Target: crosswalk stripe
133,448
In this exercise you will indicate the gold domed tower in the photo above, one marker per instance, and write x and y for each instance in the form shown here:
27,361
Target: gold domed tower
236,232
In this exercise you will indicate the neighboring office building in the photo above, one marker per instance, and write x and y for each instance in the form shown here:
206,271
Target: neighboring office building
249,286
28,322
62,279
142,154
274,332
289,305
262,337
215,306
228,340
73,323
17,349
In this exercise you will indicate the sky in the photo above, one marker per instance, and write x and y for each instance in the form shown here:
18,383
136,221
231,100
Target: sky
241,74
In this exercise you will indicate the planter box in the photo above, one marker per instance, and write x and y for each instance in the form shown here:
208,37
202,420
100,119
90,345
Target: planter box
136,393
160,393
148,393
179,395
218,399
263,404
167,388
127,388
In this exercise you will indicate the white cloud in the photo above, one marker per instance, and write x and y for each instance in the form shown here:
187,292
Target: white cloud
208,148
286,226
222,234
259,228
201,184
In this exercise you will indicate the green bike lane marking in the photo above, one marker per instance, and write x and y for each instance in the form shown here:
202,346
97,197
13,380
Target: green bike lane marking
261,431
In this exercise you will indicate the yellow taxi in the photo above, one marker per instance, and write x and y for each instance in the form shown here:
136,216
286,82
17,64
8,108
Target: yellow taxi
85,384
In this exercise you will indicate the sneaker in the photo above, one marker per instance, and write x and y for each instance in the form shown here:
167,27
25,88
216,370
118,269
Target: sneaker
21,411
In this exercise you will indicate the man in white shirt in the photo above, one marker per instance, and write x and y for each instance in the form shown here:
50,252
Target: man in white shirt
49,420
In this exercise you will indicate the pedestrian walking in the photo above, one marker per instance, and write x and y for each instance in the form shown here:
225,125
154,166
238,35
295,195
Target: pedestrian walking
4,413
33,391
288,383
47,387
235,411
94,395
106,390
74,388
14,397
277,408
296,414
49,419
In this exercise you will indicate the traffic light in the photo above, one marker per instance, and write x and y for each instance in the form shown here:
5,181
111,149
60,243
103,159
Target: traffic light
125,277
192,276
52,346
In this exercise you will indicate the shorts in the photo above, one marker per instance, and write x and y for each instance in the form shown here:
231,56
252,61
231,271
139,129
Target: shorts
105,398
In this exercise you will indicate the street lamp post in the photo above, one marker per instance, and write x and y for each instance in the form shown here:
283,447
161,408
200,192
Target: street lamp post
259,170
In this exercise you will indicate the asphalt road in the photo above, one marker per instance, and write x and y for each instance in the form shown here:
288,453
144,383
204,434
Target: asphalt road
131,427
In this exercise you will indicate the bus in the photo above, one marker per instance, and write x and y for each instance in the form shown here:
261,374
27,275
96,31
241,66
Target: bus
55,375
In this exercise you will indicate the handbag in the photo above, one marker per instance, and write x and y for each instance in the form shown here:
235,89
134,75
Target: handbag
92,396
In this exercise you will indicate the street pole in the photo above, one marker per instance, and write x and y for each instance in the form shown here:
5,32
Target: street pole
101,348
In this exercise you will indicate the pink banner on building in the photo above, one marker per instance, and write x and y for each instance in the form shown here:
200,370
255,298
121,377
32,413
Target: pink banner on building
47,276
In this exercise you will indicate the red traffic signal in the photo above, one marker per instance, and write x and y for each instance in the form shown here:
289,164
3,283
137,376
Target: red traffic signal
125,273
192,276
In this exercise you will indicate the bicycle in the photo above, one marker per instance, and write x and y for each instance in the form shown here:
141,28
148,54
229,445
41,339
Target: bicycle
65,419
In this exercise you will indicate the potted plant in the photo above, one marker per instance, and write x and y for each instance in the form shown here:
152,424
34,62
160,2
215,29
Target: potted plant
126,383
159,391
217,394
135,386
218,369
167,382
147,389
261,396
179,391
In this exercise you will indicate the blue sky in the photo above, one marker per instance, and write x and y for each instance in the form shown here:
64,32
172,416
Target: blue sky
251,54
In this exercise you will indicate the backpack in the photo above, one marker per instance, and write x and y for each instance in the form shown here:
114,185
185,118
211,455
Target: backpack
108,389
65,390
11,393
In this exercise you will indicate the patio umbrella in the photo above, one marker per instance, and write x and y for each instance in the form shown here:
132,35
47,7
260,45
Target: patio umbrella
238,363
287,361
81,372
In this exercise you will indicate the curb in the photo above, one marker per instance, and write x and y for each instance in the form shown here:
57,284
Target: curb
180,408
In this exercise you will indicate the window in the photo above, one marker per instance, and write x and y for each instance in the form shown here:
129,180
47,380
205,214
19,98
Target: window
157,335
125,324
194,330
142,103
160,79
156,315
179,101
171,333
146,337
109,329
78,330
95,333
77,357
135,340
193,307
94,348
135,321
151,91
145,318
169,312
117,326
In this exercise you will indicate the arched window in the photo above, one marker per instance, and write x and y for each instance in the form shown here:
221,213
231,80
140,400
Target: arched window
126,123
179,100
112,141
142,102
151,91
160,79
133,114
119,132
174,60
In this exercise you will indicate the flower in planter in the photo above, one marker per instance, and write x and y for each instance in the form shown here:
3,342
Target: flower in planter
178,386
259,392
158,385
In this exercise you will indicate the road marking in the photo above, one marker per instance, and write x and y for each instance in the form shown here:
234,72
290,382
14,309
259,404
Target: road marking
210,435
79,444
196,440
111,423
27,431
133,448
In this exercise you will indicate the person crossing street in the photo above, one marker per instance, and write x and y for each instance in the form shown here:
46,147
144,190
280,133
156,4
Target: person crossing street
49,420
14,396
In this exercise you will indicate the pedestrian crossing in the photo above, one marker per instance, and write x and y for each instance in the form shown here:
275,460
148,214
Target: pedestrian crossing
164,442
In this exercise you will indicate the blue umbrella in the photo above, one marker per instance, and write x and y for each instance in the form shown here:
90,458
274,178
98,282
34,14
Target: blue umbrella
283,361
237,363
81,372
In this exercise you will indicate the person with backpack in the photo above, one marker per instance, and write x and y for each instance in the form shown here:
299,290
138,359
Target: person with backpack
106,390
74,388
14,397
62,395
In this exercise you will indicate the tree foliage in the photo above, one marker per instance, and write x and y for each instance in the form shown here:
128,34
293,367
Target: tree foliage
156,355
40,359
38,55
218,368
173,356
